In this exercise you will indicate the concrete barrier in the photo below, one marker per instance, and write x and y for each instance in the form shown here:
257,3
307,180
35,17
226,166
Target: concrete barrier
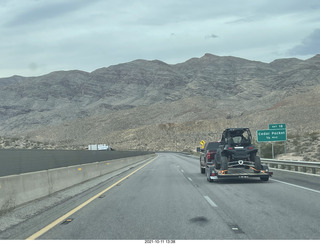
16,190
20,161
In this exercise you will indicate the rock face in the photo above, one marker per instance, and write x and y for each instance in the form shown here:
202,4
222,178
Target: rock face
152,105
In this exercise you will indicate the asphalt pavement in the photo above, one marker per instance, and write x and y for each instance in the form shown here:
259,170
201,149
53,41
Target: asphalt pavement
169,199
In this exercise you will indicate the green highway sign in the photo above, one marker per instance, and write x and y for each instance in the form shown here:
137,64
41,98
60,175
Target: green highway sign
272,135
277,126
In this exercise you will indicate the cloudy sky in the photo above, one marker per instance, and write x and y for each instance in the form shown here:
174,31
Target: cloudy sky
41,36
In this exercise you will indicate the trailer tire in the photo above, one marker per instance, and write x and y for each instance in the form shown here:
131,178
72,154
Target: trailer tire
208,176
208,172
202,170
265,178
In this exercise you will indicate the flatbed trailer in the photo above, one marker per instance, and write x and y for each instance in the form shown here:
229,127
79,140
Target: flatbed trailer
238,173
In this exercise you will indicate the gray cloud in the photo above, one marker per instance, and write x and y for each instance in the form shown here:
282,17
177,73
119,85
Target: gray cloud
44,11
40,36
287,6
263,10
212,36
309,46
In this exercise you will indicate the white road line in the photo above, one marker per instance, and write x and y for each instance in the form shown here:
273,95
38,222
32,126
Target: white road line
182,171
210,201
301,187
189,179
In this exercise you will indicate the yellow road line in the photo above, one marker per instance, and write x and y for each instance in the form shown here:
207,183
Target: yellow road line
57,221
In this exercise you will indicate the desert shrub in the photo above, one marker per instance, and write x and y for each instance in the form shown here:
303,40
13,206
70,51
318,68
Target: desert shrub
313,136
266,149
306,158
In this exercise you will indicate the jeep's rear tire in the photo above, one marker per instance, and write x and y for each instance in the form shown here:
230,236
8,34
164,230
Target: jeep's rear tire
252,157
202,170
216,164
224,163
257,164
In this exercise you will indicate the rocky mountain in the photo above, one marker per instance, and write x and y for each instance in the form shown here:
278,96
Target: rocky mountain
153,105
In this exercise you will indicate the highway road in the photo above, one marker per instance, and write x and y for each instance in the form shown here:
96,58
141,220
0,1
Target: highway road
168,199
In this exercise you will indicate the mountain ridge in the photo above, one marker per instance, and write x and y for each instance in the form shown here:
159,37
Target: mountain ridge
141,95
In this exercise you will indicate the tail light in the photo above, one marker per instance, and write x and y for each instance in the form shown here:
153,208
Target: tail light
209,156
213,173
250,148
230,148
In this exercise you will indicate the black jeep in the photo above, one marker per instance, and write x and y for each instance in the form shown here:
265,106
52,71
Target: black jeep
237,151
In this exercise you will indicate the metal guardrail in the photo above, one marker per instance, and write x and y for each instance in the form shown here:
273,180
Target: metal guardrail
299,166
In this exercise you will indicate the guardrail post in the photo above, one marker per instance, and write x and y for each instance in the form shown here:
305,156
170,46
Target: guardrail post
313,170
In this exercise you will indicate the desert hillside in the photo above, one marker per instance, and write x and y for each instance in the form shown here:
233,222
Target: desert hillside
152,105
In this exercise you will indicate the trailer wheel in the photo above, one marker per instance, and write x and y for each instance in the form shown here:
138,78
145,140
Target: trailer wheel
208,176
208,172
224,163
265,178
257,164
